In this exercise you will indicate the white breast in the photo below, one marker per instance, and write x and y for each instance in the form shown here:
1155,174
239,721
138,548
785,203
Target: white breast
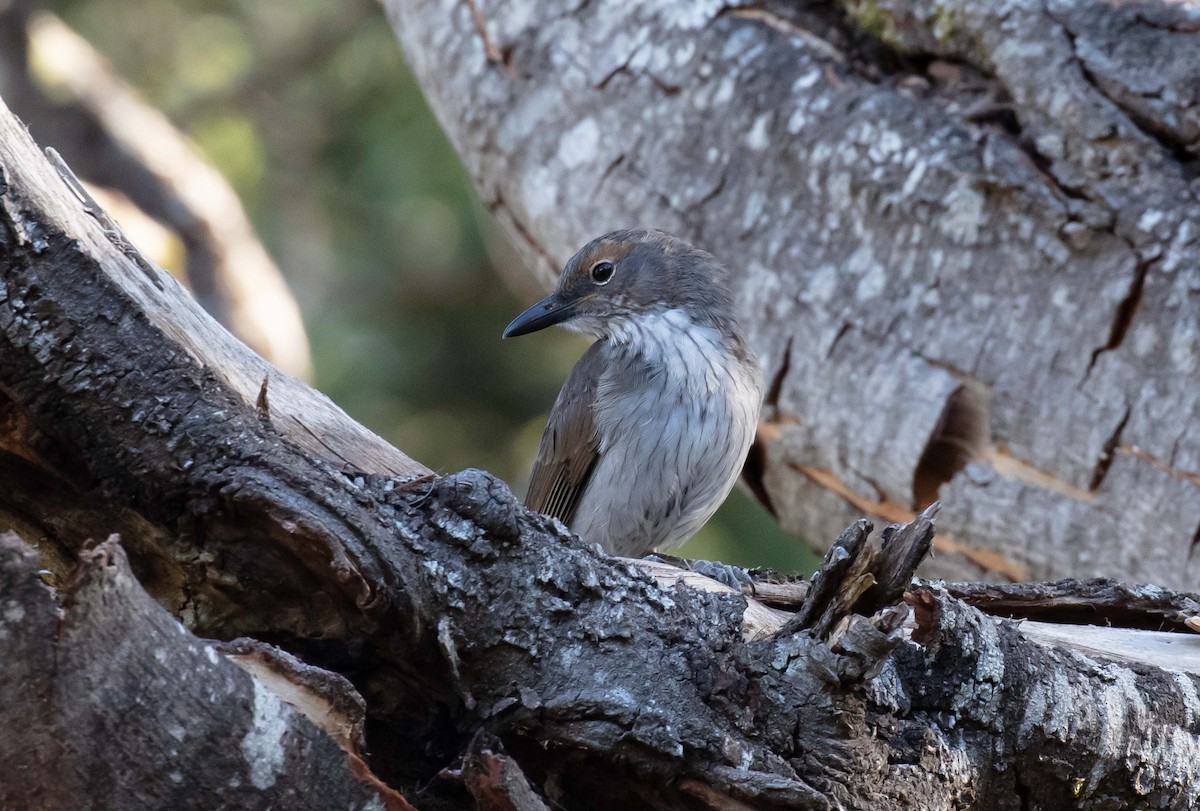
676,414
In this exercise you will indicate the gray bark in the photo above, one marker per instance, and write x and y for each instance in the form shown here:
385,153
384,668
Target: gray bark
501,664
98,714
965,238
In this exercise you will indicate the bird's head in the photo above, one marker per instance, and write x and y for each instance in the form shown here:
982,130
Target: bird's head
625,275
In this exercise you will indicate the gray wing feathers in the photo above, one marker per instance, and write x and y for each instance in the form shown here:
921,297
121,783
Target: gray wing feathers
570,446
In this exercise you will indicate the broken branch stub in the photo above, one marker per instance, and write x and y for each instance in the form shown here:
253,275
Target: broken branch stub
864,578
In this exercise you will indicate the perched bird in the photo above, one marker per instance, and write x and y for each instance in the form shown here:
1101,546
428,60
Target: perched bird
651,429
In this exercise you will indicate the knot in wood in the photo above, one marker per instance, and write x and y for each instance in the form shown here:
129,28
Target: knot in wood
483,499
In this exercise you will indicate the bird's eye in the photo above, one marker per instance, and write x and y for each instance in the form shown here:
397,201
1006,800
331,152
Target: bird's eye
602,272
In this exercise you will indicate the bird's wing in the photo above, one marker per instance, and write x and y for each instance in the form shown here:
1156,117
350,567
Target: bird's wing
570,446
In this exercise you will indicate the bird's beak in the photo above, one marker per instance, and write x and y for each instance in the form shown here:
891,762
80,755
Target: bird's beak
546,313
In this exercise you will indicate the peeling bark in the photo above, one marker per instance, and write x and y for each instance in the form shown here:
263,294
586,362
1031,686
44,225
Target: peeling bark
92,679
919,199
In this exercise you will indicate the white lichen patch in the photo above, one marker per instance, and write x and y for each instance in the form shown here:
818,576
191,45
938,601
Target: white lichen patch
872,283
753,209
862,261
684,54
887,144
914,178
1145,340
838,191
1180,248
797,120
578,144
263,745
1121,709
1110,703
1149,219
724,91
1189,697
887,689
757,139
14,611
539,191
1184,349
1048,708
1177,766
689,16
806,80
963,213
529,110
659,61
454,525
516,19
822,286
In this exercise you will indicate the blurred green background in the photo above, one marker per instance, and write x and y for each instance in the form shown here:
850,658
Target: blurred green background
307,108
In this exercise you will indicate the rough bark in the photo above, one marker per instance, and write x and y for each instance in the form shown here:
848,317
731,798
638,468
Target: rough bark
94,681
501,663
964,235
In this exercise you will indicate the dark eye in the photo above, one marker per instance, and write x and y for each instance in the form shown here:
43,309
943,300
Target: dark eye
602,272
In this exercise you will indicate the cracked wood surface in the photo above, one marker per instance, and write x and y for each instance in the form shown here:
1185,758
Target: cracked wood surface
462,619
984,213
92,680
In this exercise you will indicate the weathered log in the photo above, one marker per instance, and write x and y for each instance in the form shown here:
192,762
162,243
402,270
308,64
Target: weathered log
109,703
1089,602
456,612
964,235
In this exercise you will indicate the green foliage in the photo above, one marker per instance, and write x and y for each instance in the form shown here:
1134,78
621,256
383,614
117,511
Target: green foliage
308,109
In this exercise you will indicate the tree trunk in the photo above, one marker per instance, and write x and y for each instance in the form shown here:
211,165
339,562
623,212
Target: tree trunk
964,233
501,664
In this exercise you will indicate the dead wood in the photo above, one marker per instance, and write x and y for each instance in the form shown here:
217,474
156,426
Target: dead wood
467,624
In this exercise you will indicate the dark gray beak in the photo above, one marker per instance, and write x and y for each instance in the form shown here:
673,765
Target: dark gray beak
546,313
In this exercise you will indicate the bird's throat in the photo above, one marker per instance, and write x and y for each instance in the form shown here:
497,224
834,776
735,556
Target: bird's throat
670,343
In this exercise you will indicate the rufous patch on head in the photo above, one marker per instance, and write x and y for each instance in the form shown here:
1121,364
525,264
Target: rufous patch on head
612,250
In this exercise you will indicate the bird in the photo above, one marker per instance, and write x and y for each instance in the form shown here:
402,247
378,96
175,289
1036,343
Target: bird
652,426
